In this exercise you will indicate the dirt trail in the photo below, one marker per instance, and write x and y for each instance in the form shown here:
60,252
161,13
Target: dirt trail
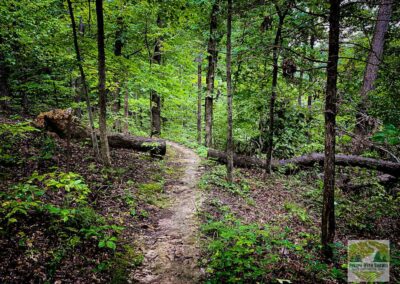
172,251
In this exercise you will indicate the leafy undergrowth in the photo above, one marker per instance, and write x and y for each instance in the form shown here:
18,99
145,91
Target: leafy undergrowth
64,216
268,232
184,138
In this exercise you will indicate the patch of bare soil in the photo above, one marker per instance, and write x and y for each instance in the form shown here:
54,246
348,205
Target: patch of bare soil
171,248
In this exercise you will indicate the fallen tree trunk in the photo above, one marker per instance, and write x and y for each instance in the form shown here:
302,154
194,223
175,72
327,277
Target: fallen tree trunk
64,124
143,144
310,160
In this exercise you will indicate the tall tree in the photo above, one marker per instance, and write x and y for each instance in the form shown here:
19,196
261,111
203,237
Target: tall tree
155,98
212,67
126,112
199,93
275,57
83,81
4,89
229,139
309,97
118,45
372,67
104,148
328,210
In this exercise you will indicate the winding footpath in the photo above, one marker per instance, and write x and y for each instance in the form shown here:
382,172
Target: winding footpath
172,250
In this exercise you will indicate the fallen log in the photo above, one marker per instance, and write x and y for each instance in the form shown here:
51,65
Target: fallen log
142,144
62,121
310,160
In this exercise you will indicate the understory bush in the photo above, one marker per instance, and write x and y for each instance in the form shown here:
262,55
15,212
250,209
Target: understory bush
61,199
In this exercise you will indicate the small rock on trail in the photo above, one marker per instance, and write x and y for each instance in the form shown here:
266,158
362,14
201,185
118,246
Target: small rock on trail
172,250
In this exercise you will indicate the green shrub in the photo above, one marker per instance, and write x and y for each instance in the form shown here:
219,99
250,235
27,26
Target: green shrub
238,253
72,183
10,134
217,178
72,221
297,211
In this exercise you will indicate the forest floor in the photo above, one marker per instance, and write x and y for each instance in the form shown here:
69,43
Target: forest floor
172,248
64,218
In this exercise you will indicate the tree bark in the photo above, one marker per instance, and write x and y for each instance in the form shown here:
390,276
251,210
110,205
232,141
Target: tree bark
276,49
371,69
104,148
155,99
229,139
310,160
328,210
309,98
299,98
212,66
208,120
126,112
77,91
4,89
118,45
199,99
84,83
142,144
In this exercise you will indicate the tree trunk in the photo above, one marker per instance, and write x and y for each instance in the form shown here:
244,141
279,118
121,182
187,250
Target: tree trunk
84,83
199,91
309,98
275,51
89,16
328,210
153,146
116,108
25,103
208,120
372,67
118,45
229,139
76,87
155,113
104,148
155,99
310,160
299,98
212,66
126,112
4,90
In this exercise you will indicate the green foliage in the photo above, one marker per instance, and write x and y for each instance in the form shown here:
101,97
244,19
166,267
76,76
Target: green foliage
297,211
73,184
216,178
390,135
123,261
131,202
104,234
10,135
72,221
154,187
19,201
151,193
47,148
19,129
238,253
